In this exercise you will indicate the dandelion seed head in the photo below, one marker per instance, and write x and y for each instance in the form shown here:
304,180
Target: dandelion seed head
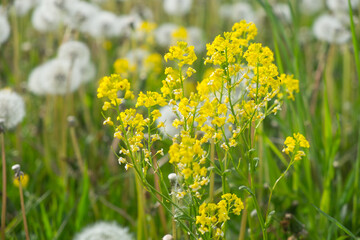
79,14
177,7
55,77
4,26
167,237
341,5
104,231
167,117
103,25
163,34
330,29
12,108
46,19
88,72
22,7
309,7
283,12
172,177
238,11
76,52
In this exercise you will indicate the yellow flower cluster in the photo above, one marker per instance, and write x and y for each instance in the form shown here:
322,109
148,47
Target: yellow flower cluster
227,49
150,99
189,158
291,85
24,179
182,53
180,34
173,85
295,142
111,87
122,67
212,216
131,129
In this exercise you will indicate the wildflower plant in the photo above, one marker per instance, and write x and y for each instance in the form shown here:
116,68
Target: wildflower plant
217,127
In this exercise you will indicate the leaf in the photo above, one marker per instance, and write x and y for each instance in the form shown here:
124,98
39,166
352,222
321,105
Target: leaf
333,220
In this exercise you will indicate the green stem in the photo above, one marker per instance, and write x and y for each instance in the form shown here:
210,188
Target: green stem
23,210
3,208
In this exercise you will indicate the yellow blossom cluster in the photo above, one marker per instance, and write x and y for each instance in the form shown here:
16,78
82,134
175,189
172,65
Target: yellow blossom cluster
180,34
182,53
153,63
150,99
189,158
293,143
291,85
228,48
213,216
123,67
110,87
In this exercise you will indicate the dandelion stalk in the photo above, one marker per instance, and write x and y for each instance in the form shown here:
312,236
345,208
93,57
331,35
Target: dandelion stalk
18,175
75,143
3,207
23,210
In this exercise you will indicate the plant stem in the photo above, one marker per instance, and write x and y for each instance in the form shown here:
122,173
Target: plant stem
243,222
3,208
212,176
272,189
76,149
23,210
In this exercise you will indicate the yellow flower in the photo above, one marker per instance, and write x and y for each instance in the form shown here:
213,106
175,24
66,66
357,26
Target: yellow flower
295,142
182,53
24,181
291,85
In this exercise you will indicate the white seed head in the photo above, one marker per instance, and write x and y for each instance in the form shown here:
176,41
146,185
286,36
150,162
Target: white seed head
309,7
88,72
79,14
195,38
238,11
104,231
103,25
330,29
172,177
167,237
4,26
163,34
22,7
177,7
341,5
167,117
46,19
55,77
74,51
16,167
283,12
12,108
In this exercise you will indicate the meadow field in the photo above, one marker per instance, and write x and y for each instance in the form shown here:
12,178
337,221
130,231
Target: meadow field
180,119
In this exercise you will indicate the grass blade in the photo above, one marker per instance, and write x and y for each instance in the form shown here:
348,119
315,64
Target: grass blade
338,224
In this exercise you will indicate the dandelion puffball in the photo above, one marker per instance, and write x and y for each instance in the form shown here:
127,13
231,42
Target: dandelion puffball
330,29
341,5
177,7
4,27
56,77
79,14
238,11
104,231
12,108
167,117
74,51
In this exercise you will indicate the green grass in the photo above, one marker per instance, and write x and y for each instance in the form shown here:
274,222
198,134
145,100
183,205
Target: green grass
321,192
